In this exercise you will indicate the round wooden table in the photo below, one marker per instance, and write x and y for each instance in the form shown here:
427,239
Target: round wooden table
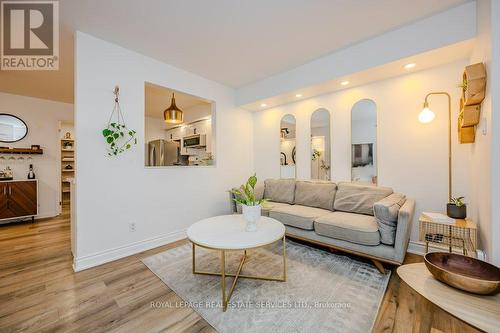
479,311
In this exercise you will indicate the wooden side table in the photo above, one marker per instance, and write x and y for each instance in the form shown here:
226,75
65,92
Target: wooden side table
482,312
462,234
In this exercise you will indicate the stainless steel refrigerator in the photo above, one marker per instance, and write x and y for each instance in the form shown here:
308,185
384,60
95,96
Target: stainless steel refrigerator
162,152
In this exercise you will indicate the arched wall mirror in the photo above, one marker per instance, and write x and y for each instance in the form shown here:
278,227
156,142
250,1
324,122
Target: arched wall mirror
287,147
364,142
320,145
12,128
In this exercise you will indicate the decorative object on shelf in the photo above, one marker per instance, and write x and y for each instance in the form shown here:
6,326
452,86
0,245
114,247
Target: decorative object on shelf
21,151
67,145
68,167
465,273
6,174
427,116
473,93
456,208
444,231
31,173
173,115
251,207
35,147
117,135
316,153
7,121
67,135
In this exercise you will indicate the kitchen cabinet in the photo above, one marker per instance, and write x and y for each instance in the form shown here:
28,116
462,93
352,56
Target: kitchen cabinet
18,199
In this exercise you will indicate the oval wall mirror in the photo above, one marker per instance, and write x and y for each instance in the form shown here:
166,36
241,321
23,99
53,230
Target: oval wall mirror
364,142
12,128
320,145
287,147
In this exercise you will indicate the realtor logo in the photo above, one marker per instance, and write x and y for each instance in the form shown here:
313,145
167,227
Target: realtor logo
30,35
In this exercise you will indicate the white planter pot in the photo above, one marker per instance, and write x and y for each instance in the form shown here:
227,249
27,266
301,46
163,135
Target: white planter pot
251,214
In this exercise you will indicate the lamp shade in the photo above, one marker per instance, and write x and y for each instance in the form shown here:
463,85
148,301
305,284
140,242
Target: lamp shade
426,115
173,115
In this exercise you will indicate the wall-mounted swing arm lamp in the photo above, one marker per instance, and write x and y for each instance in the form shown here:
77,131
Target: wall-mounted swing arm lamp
426,116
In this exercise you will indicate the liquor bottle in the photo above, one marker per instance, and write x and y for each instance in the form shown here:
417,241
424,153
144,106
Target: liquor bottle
31,174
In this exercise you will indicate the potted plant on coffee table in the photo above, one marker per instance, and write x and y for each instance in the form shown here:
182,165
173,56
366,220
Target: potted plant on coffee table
456,209
251,207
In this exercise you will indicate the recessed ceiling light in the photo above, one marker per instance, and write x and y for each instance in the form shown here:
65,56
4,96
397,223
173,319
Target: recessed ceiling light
263,105
409,66
298,95
344,83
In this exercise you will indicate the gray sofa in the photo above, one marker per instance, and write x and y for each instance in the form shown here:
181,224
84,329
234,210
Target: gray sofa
365,220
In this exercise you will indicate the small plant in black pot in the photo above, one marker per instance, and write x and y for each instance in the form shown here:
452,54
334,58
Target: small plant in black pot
456,209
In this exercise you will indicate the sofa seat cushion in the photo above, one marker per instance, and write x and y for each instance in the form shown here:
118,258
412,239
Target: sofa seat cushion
318,194
386,214
298,216
355,228
280,190
359,198
266,208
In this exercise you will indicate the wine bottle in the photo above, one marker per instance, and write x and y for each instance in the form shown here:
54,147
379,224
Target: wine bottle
31,174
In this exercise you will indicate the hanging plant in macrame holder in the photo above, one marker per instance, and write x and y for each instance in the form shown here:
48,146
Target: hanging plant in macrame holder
118,136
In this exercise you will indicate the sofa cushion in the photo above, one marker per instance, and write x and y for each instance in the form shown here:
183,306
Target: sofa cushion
386,214
355,228
298,216
266,208
280,190
315,194
359,198
259,191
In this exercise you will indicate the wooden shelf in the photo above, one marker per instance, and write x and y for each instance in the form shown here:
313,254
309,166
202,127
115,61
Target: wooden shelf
65,150
68,140
70,160
27,151
68,170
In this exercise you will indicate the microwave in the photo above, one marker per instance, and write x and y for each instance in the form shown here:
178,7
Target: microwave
195,141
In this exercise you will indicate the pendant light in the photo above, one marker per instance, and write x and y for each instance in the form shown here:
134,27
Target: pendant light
173,115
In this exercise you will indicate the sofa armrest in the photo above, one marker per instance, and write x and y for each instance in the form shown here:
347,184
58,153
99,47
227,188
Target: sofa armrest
403,230
232,203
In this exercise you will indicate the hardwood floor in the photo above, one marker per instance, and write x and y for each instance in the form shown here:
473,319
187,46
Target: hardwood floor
39,292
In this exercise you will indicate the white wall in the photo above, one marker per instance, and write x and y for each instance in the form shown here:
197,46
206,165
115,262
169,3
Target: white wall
495,120
412,157
113,192
42,117
480,191
154,129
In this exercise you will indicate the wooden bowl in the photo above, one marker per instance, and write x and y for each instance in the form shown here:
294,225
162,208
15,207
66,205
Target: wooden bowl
465,273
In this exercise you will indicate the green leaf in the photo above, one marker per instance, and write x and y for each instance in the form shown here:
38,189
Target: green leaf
128,146
105,132
252,181
121,133
116,135
109,139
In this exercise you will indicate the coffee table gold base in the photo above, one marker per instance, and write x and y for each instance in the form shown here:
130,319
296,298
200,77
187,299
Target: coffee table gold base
237,275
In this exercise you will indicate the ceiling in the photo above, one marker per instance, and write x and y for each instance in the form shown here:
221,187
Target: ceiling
228,41
422,61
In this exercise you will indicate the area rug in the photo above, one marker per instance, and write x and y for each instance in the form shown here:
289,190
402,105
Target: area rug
324,292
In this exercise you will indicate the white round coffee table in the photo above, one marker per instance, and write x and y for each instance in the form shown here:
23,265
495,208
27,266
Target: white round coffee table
227,233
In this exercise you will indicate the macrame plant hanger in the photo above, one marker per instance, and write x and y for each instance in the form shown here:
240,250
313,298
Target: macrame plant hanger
118,136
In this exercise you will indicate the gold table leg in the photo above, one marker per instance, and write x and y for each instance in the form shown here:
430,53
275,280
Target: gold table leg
223,274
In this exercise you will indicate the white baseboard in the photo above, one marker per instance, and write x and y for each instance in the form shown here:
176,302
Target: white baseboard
103,257
419,248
